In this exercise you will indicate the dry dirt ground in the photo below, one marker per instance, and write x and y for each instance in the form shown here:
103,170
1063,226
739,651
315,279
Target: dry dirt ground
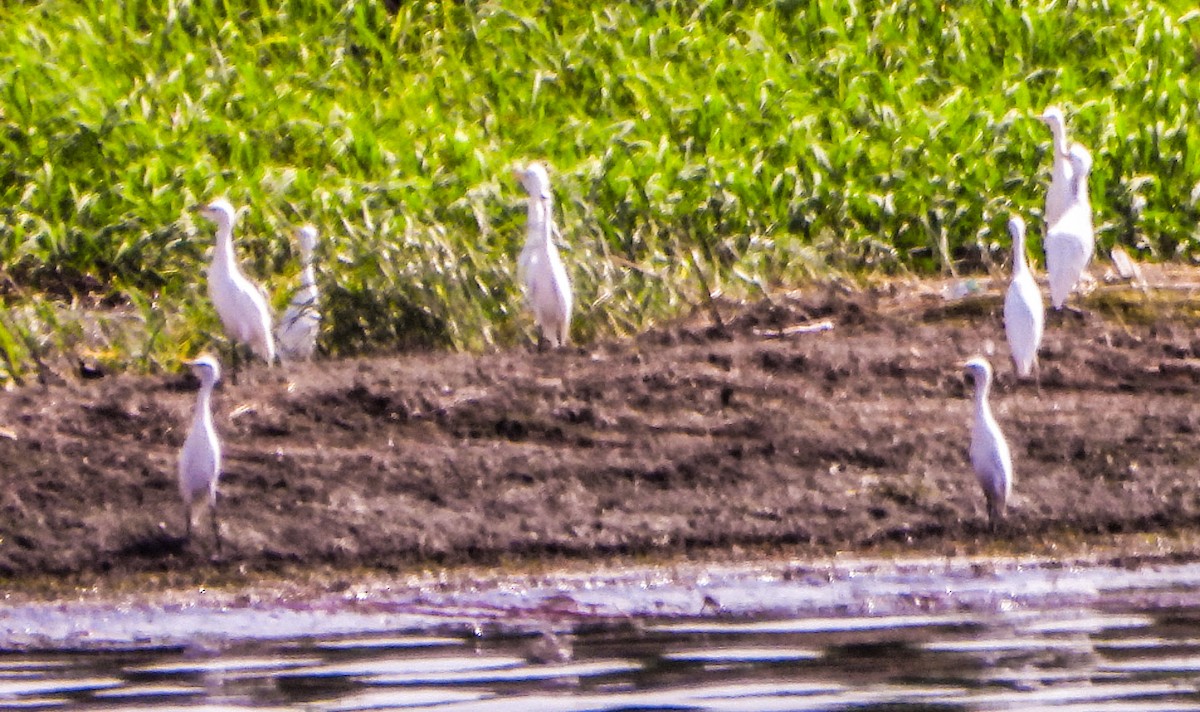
685,440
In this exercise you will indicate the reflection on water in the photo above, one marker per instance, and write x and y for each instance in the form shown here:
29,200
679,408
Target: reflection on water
1132,644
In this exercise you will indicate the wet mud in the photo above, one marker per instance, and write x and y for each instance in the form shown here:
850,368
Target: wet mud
689,439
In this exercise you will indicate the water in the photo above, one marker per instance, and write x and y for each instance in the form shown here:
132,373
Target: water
864,636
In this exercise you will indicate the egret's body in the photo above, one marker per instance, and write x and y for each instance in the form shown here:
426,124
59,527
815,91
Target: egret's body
1070,241
1024,311
989,452
298,328
200,458
539,267
1058,194
241,304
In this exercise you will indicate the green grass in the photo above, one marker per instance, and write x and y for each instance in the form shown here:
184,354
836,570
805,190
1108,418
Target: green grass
767,143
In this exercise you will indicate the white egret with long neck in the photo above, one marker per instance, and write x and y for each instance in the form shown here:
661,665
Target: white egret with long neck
539,267
1071,240
200,458
1058,193
1024,311
301,321
989,452
241,304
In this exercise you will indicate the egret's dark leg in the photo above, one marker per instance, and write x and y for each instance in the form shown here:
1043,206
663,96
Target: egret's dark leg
560,335
249,359
235,362
216,527
187,519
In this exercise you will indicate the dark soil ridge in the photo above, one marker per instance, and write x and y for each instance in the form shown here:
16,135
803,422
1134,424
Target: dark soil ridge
686,439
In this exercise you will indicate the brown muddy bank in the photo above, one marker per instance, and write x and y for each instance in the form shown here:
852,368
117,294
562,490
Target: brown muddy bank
686,440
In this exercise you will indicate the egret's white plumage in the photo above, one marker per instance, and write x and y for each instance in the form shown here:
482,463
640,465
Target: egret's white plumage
1024,311
298,328
1070,241
539,267
989,452
240,303
200,458
1058,193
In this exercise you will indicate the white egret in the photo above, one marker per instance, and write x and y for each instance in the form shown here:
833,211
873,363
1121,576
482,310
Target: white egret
240,303
1024,311
1070,241
989,452
539,267
200,458
297,331
1058,194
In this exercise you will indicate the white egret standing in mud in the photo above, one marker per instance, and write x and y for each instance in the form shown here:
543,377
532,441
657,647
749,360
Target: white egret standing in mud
1024,311
989,452
200,458
539,267
1058,193
240,303
298,328
1070,241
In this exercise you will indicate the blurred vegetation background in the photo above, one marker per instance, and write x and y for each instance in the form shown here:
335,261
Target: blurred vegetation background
765,144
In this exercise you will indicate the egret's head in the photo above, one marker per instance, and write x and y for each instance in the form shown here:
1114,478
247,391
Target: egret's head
219,211
307,237
1081,159
535,180
978,369
1016,228
1052,116
206,368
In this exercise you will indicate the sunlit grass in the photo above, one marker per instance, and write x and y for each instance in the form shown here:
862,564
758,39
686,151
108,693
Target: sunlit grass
765,143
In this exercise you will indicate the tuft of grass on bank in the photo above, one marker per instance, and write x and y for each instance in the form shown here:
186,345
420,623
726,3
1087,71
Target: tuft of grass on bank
761,143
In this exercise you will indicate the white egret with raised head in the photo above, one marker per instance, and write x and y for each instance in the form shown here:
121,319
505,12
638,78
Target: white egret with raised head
539,267
200,457
297,332
990,456
1024,311
1071,240
240,303
1058,193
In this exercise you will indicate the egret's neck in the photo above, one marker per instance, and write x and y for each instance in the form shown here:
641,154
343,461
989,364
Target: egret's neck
308,275
1079,189
223,252
983,386
1059,130
203,414
539,221
1019,263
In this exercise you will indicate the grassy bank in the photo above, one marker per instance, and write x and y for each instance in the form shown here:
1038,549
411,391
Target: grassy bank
760,143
